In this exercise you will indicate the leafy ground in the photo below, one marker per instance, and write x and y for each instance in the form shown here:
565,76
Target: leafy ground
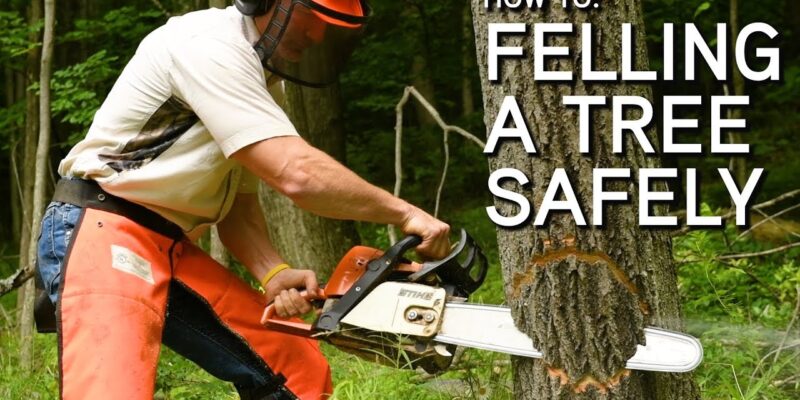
741,310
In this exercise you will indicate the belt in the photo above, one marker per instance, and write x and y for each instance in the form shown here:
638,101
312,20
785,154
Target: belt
87,193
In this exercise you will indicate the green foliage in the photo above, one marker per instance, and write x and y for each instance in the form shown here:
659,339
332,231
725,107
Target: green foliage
79,89
74,97
740,310
15,383
180,379
12,118
119,30
400,34
702,7
14,33
478,375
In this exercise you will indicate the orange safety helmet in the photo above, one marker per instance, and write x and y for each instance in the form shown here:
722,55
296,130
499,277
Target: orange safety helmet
307,41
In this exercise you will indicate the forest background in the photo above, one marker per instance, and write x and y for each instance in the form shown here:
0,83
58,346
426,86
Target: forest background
743,308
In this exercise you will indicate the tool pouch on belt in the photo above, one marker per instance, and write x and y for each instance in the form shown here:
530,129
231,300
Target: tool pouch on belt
88,194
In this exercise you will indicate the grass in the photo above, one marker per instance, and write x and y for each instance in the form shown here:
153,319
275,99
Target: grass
740,309
744,313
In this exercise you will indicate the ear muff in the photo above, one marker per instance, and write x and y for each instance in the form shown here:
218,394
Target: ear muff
253,7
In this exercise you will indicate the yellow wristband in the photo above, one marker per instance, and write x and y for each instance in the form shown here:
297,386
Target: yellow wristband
274,271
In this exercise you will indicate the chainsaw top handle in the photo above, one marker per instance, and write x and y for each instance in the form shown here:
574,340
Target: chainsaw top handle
376,273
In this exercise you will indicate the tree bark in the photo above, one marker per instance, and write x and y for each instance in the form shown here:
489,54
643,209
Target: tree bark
738,164
420,79
304,239
216,249
29,140
420,66
8,77
582,294
42,167
13,193
467,102
25,296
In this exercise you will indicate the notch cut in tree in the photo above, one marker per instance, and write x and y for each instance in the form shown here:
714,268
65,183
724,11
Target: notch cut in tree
583,294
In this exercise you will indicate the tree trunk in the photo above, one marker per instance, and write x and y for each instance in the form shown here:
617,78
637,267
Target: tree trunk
216,249
738,164
42,167
14,193
25,296
467,103
420,74
83,13
21,84
217,3
421,80
28,164
8,77
28,157
304,239
583,295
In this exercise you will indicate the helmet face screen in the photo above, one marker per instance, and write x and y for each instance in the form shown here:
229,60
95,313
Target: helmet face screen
313,46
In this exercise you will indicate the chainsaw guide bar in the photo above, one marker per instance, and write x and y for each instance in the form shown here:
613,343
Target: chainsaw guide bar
666,351
387,309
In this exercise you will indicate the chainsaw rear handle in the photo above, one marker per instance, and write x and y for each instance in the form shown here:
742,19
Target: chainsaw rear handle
376,273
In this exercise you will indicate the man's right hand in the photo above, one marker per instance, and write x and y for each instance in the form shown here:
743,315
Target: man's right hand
435,234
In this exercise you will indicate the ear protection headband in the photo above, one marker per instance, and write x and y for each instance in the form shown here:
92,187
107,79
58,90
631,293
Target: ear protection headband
253,7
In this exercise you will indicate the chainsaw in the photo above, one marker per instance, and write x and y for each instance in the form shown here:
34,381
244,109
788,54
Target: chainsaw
382,307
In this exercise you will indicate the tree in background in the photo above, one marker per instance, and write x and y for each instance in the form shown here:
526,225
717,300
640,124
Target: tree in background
24,190
42,168
304,239
582,295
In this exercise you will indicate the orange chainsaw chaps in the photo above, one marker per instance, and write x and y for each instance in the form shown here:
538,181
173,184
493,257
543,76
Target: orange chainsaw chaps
111,308
238,306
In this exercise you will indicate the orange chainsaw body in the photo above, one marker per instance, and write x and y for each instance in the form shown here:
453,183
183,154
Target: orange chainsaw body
349,270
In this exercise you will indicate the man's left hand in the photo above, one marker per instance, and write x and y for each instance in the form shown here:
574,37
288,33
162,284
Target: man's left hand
282,289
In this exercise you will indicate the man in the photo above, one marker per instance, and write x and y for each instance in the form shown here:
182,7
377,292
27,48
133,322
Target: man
178,145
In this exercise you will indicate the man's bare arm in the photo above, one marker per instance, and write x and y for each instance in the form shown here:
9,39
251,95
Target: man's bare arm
319,184
244,233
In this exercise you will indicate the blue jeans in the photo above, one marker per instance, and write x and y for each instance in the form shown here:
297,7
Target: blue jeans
58,223
191,327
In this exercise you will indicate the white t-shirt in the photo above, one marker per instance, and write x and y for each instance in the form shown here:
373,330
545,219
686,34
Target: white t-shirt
193,94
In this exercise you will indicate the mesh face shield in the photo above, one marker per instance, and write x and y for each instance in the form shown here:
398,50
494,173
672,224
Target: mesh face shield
309,41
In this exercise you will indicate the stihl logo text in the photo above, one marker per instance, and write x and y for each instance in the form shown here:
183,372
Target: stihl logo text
415,294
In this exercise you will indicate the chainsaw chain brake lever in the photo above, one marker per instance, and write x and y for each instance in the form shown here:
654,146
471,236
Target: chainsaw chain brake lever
464,269
377,271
